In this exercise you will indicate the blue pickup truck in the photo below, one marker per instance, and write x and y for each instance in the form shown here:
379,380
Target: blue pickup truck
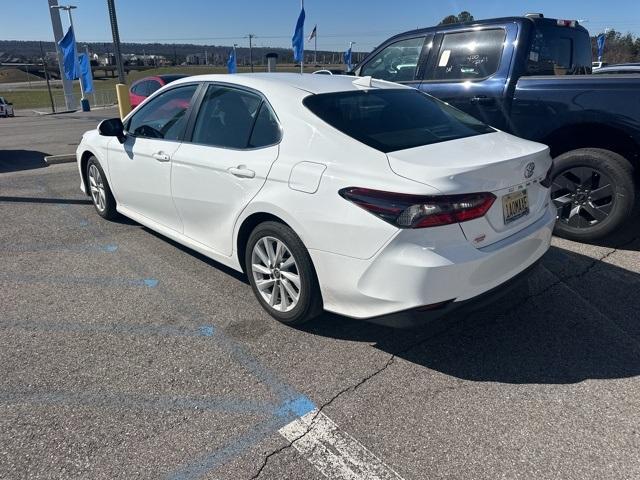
531,76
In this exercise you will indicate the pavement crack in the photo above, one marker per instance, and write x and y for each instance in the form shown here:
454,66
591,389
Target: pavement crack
350,388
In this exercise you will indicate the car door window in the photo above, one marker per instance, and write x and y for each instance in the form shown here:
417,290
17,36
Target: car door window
226,117
469,55
397,62
163,117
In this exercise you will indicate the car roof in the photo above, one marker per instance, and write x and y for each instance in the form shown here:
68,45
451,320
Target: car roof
307,82
171,77
619,68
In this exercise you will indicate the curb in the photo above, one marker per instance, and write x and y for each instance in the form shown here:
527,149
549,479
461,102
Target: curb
55,159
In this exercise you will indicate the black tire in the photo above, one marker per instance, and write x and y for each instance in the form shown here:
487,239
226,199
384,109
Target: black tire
108,211
595,218
309,302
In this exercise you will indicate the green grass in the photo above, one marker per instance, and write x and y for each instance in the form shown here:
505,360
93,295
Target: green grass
39,98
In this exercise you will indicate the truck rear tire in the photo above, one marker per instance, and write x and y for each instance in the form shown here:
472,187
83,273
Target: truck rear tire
594,192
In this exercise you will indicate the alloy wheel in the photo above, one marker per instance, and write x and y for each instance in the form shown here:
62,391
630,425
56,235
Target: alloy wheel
276,274
583,196
96,185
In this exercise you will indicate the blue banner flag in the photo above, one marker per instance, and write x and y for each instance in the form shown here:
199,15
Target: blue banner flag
297,41
347,58
232,66
85,73
69,55
600,41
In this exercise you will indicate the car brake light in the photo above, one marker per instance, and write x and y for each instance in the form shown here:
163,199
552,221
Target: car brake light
418,211
546,181
566,23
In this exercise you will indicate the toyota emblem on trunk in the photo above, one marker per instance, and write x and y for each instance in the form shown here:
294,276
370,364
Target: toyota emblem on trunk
528,170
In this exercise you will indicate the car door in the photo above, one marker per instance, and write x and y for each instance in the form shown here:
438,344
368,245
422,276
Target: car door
140,168
470,72
400,61
233,143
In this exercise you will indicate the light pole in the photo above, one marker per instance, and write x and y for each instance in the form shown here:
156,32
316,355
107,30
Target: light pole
68,9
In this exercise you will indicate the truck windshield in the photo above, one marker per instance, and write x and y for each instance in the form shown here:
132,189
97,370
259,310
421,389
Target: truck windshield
394,119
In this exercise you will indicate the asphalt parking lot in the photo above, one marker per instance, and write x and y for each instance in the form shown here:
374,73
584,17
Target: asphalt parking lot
124,355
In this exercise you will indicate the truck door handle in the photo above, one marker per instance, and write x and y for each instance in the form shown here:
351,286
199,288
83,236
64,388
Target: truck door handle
242,171
482,100
161,156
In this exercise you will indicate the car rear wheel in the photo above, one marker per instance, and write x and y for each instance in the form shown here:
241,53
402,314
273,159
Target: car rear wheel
593,191
281,274
99,190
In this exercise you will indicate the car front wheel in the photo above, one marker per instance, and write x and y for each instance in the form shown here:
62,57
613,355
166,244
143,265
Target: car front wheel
281,274
99,190
593,191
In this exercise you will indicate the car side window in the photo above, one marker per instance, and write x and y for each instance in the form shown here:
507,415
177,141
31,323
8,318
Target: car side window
469,55
138,89
164,117
226,117
152,87
266,130
397,62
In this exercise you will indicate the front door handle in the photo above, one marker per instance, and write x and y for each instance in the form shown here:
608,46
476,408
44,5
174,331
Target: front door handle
482,100
161,156
242,171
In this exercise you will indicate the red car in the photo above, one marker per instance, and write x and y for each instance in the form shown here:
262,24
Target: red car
141,89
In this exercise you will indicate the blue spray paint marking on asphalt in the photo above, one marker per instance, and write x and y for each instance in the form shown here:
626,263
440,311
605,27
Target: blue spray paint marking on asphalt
286,413
297,407
136,401
206,331
64,280
115,329
57,247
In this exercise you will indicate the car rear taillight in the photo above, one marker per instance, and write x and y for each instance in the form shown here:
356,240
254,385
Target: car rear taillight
546,181
418,211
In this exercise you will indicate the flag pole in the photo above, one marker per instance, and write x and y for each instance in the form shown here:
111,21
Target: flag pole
315,46
302,58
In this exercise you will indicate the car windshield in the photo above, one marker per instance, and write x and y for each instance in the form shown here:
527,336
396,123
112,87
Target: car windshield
394,119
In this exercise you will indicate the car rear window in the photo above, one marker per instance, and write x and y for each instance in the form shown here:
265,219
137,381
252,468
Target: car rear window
390,120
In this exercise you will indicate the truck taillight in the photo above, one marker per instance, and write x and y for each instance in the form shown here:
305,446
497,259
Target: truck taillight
418,211
566,23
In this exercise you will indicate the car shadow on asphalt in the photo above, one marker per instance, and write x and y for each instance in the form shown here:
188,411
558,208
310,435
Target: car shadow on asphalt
17,160
579,320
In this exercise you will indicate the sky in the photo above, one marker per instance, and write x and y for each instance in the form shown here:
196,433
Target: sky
366,22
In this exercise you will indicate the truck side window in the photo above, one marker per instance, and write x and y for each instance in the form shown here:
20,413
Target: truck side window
550,53
469,55
397,62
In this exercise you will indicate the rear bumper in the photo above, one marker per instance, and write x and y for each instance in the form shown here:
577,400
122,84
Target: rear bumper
418,268
417,317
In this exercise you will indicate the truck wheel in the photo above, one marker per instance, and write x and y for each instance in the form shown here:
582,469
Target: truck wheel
594,192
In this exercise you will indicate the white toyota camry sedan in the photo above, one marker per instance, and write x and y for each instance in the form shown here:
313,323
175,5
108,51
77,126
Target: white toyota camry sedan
356,196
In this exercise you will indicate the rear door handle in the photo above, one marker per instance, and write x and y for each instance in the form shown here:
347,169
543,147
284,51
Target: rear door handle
242,171
161,156
482,100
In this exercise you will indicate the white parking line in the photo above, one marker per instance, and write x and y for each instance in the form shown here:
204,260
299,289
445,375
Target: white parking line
336,454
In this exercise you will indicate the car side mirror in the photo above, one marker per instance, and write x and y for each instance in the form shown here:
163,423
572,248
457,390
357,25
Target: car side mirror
9,103
112,127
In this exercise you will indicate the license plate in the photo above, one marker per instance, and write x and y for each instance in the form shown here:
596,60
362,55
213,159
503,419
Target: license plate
515,206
